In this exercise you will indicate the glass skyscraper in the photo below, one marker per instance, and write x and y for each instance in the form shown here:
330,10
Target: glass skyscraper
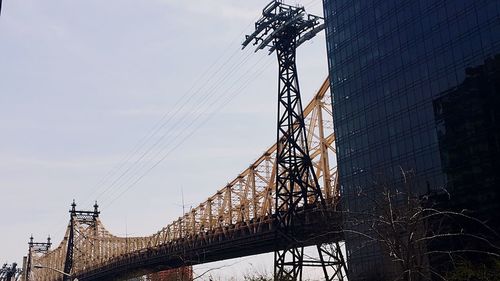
415,87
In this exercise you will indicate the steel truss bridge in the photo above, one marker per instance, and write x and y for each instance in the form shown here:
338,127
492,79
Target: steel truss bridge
238,220
282,202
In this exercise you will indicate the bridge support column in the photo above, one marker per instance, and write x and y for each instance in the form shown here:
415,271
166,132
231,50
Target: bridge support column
332,261
289,263
68,263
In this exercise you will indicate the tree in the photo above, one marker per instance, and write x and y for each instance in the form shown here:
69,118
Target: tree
257,277
467,270
422,240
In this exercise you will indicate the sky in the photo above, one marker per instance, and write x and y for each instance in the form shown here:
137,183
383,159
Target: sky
140,105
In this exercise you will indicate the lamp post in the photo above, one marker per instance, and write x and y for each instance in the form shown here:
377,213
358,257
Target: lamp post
54,269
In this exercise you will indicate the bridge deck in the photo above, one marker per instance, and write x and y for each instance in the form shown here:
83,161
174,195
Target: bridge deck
313,226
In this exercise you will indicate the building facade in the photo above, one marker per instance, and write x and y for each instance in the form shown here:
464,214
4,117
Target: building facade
415,87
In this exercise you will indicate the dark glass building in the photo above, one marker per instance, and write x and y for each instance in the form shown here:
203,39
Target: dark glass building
415,87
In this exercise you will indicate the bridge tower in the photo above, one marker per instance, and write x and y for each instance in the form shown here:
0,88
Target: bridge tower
35,248
78,218
282,28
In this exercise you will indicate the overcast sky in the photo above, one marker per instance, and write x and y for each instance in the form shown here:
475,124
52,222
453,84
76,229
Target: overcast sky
83,83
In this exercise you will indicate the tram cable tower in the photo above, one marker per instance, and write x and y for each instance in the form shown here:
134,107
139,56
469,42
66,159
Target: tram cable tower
282,28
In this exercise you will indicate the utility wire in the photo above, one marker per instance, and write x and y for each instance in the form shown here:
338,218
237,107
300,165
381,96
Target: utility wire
161,123
197,113
186,127
209,94
165,119
157,127
146,139
258,73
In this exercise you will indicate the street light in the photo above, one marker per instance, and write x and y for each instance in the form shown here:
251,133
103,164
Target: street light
55,269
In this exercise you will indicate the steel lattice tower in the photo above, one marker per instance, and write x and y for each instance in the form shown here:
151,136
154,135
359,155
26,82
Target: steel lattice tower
35,248
88,218
282,28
